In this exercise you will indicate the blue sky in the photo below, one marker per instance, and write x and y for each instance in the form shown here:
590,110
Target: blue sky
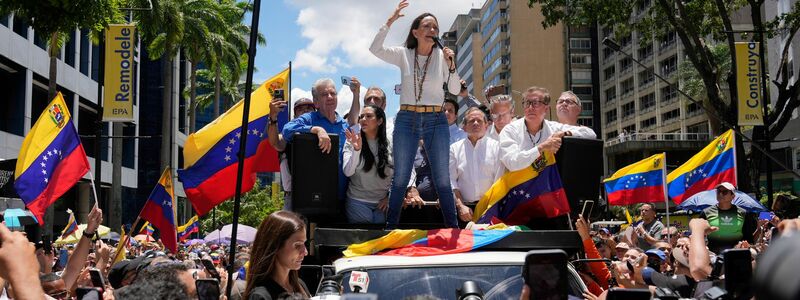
331,39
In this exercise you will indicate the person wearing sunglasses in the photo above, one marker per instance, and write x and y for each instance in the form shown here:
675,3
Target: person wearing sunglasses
524,141
734,223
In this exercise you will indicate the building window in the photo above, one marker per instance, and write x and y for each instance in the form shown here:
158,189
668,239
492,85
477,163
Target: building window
586,122
581,58
608,52
21,27
628,110
582,90
69,50
625,64
693,108
651,122
129,147
697,131
645,52
582,76
669,65
587,106
607,31
670,115
611,135
630,128
667,41
646,77
627,86
797,158
626,40
580,43
669,94
85,46
672,135
611,94
609,72
611,116
647,101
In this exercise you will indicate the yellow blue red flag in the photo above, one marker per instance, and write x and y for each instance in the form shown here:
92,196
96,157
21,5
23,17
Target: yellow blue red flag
72,225
51,159
158,210
191,226
713,165
640,182
533,192
210,154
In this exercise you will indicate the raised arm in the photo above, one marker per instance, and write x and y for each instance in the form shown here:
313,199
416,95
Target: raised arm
355,108
392,55
275,139
78,259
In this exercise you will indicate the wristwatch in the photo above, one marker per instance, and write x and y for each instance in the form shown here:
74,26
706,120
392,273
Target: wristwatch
272,122
88,235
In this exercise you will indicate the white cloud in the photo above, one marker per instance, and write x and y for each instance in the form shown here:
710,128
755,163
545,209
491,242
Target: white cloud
340,32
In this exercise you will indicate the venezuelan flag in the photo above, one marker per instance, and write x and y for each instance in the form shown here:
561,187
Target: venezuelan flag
119,253
147,229
533,192
640,182
159,211
715,164
416,242
191,226
210,154
51,159
72,225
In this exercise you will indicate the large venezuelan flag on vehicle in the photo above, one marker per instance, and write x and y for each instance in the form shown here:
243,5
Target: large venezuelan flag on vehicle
713,165
416,242
210,154
51,159
158,210
640,182
533,192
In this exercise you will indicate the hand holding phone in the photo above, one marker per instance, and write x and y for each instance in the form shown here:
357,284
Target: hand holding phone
207,289
586,212
545,273
346,80
98,281
210,268
278,94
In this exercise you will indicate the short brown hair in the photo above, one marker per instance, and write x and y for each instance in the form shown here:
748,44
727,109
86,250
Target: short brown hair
535,89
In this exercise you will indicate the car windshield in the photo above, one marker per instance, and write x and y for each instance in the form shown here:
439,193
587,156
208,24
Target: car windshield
496,281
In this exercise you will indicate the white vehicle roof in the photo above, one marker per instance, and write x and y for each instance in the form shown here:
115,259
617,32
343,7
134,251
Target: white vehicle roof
460,259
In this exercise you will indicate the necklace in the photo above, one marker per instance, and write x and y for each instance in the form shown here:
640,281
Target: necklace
424,71
530,137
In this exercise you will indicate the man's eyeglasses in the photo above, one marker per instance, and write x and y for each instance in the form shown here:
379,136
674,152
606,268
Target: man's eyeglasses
533,103
566,101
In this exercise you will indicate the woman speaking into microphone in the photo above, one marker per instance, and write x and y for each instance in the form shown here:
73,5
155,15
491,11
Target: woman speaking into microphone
425,68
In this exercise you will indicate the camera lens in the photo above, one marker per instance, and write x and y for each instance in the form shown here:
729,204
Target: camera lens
469,291
329,287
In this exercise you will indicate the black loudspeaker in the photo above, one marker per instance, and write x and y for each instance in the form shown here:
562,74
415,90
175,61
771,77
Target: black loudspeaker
580,164
315,178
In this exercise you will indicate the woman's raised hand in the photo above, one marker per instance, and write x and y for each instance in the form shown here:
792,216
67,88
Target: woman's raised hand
354,138
397,12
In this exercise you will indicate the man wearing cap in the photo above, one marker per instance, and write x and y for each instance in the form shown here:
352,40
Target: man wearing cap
621,248
734,223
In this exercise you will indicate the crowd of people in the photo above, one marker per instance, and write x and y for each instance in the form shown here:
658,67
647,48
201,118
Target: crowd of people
421,156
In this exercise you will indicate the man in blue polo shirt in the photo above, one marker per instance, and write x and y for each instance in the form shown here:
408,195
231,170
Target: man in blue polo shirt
322,122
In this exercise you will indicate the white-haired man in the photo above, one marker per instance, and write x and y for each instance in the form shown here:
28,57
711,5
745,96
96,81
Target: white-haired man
501,108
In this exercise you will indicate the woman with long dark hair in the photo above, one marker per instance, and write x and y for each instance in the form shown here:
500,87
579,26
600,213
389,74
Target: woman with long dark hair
424,69
367,162
276,256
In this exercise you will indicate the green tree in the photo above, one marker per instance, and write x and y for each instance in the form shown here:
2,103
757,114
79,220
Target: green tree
700,25
256,205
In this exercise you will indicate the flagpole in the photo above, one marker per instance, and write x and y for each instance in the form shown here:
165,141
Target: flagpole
248,87
96,199
666,195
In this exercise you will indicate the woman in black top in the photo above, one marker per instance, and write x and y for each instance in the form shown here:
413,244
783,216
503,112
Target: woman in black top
278,252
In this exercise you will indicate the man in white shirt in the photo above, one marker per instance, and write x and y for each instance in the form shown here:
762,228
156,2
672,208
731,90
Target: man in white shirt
451,112
474,164
524,140
502,110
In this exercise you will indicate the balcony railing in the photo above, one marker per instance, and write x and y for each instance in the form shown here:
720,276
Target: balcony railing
645,136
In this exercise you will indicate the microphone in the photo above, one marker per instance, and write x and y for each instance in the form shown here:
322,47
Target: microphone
438,42
359,281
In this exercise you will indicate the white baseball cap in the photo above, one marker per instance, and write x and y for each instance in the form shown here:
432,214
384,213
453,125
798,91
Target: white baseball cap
727,186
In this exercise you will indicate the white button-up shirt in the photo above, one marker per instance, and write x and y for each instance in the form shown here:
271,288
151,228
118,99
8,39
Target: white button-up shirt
518,147
473,169
492,133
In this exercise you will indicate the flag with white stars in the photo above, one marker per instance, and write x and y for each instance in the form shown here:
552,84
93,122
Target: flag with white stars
212,157
159,211
713,165
519,196
639,182
51,159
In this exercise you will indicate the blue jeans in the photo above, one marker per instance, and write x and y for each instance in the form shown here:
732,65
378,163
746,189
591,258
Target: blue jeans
409,128
363,212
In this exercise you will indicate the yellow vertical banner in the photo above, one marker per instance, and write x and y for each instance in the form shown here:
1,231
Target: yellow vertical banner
748,84
118,80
